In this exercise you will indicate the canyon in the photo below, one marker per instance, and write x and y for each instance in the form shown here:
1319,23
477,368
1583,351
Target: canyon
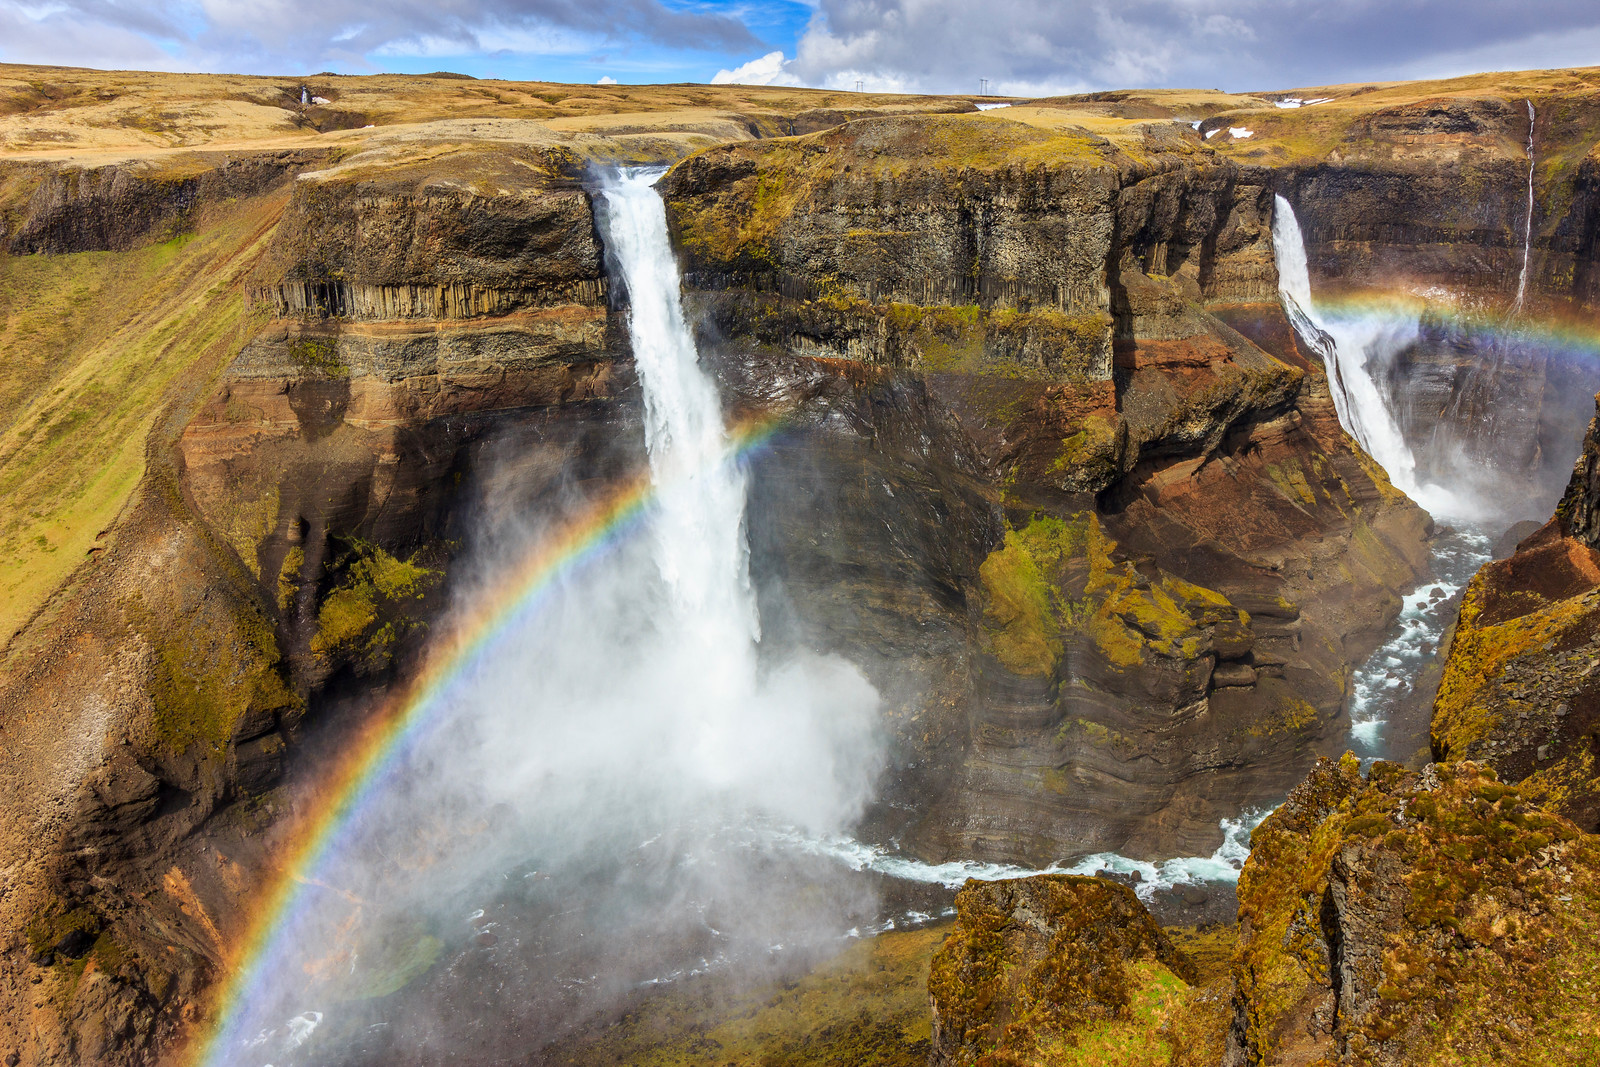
1035,446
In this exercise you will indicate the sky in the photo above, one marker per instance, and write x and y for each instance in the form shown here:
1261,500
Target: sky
1022,47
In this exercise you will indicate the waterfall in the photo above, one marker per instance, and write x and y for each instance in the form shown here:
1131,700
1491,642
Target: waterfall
1350,347
1527,222
701,547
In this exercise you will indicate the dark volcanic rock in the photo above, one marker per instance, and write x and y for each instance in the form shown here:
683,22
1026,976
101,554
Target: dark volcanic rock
1030,393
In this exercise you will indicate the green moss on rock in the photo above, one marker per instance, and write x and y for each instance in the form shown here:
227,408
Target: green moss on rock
371,608
1423,919
1052,969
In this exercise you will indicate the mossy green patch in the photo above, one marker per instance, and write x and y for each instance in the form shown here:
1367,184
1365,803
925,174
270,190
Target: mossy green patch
206,673
1054,969
320,354
371,608
1478,911
1057,576
1479,654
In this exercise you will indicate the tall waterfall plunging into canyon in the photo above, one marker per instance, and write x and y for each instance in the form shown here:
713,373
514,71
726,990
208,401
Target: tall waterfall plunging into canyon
598,801
699,529
1353,349
1348,348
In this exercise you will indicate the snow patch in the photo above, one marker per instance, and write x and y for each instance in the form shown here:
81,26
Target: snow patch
1239,133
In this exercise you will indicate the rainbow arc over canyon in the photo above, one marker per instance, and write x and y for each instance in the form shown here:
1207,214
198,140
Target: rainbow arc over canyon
1548,330
385,735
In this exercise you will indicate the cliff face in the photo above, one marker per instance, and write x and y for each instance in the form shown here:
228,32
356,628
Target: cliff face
281,559
1521,685
1126,510
1440,917
1419,210
1053,469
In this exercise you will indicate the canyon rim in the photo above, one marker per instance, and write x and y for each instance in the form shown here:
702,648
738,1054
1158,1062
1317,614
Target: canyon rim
509,572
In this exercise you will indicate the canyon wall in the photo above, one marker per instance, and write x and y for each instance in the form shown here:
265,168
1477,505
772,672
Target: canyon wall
1052,467
1143,554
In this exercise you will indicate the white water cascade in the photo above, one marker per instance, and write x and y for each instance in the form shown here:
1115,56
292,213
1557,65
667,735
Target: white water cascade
701,547
1352,348
1527,222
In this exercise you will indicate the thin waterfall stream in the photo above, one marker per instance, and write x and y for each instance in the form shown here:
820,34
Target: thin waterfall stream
1527,222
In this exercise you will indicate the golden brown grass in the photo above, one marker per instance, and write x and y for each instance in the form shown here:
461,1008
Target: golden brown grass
99,116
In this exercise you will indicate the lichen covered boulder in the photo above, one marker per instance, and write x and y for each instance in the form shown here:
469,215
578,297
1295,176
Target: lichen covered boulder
1416,918
1052,969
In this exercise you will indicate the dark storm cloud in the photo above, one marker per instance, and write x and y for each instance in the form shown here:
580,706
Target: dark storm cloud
248,35
1027,45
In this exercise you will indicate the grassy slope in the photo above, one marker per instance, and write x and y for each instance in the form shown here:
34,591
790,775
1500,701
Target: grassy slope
94,346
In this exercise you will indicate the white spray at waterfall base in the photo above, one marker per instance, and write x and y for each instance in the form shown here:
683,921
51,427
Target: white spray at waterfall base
577,819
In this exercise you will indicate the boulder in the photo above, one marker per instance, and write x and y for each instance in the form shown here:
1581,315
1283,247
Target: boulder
1034,964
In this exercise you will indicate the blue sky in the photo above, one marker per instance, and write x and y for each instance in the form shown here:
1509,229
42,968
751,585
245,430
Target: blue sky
776,25
1023,47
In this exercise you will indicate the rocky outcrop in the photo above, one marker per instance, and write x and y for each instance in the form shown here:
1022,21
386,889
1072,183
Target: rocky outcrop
1114,488
1521,684
116,207
467,233
1426,918
290,544
1050,969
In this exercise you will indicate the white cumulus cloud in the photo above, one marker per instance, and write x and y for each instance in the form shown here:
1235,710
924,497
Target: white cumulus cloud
770,69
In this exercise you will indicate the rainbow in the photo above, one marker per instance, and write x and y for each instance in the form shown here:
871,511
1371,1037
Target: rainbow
387,732
1550,330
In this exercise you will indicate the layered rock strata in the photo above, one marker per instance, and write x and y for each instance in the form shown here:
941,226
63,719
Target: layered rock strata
1521,684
